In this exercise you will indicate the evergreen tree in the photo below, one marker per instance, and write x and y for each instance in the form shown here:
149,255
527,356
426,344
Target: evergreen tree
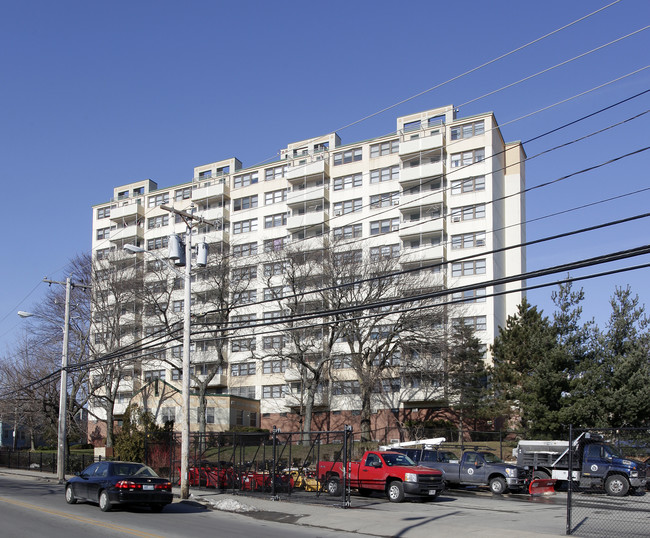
466,374
531,371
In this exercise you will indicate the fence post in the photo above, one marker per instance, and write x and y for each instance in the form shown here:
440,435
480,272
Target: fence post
570,477
275,434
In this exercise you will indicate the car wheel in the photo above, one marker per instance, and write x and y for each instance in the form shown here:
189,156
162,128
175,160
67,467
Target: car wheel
395,491
157,507
69,495
104,502
334,486
498,485
617,485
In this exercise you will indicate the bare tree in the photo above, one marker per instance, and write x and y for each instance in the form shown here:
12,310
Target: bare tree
296,280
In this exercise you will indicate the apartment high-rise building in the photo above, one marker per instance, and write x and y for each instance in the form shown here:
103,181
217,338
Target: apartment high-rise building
441,193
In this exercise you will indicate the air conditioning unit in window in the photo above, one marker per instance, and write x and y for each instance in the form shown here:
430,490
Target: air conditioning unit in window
455,218
338,213
480,242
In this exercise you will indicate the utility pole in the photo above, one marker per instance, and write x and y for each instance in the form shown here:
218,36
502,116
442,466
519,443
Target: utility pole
63,396
188,218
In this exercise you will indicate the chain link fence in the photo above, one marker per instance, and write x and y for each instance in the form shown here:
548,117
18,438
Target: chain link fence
608,494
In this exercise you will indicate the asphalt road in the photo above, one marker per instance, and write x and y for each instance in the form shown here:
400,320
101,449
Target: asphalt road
35,508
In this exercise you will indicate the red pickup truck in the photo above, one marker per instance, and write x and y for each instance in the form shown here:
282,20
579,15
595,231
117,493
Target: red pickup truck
391,472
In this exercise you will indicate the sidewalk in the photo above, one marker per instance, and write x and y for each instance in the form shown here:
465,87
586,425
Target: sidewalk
379,520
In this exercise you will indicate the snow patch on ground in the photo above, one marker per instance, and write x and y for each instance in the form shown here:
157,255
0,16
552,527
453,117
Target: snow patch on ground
231,505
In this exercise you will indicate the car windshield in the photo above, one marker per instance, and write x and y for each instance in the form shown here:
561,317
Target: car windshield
398,459
491,458
133,469
611,452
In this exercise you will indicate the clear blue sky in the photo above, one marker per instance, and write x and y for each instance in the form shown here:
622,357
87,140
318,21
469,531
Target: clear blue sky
98,94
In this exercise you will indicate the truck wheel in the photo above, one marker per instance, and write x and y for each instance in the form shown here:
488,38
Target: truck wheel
395,491
617,485
333,486
498,485
543,475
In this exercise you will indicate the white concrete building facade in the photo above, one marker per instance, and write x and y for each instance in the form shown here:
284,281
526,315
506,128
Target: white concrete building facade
437,190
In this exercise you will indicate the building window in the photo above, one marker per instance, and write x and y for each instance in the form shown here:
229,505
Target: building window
468,212
384,226
380,175
243,320
275,366
177,306
468,130
243,344
275,197
274,269
244,250
244,226
348,182
348,206
274,315
273,391
244,180
348,256
467,268
469,296
244,297
242,369
469,240
158,222
412,126
341,362
247,202
103,212
477,323
168,414
276,172
348,156
276,292
183,194
345,387
348,232
157,243
275,245
274,342
467,157
246,392
470,184
103,233
158,199
273,221
384,148
150,375
384,252
248,272
386,199
210,415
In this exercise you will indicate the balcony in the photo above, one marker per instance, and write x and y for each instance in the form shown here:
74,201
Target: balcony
302,172
130,211
216,188
420,199
415,173
128,233
218,380
306,220
426,226
424,253
428,140
312,194
292,399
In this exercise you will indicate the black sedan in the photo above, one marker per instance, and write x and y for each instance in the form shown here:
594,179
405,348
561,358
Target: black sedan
119,482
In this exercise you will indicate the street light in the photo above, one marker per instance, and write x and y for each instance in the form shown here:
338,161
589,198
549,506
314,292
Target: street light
63,396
